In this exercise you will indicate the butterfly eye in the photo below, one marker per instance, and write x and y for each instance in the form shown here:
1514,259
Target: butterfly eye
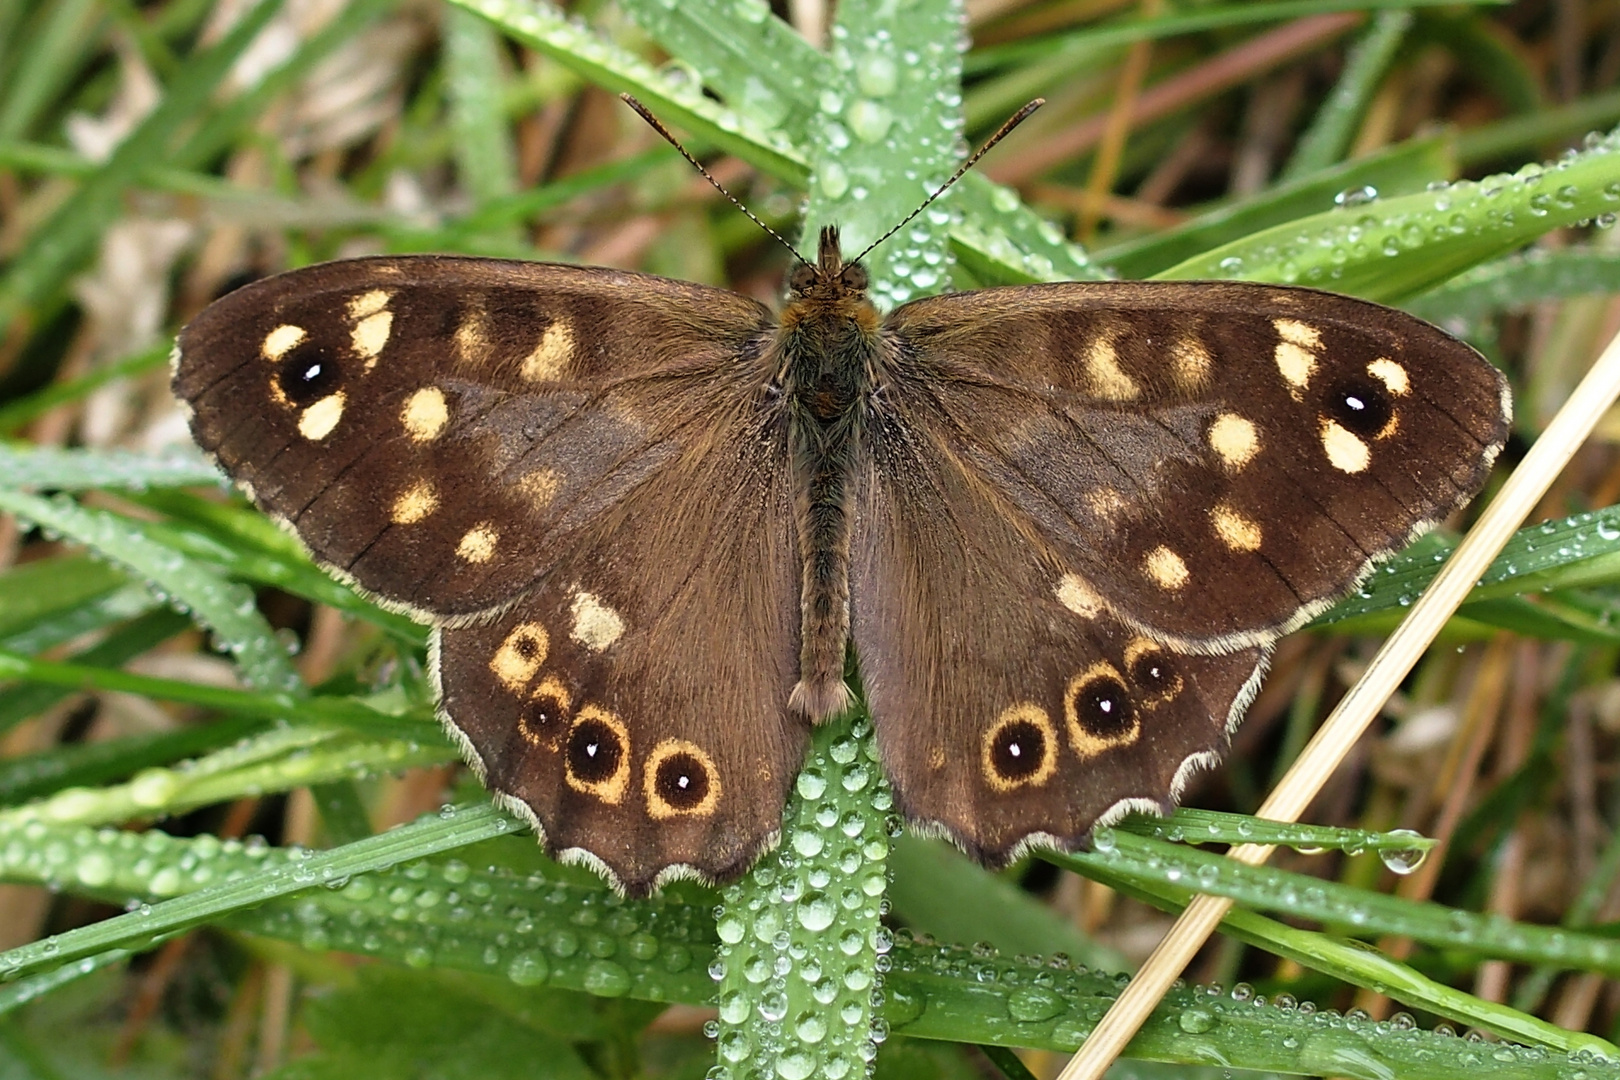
597,756
1360,404
803,277
854,277
681,779
307,373
1020,749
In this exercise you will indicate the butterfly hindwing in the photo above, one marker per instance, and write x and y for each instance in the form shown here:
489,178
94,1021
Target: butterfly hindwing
1007,705
439,428
635,702
1218,460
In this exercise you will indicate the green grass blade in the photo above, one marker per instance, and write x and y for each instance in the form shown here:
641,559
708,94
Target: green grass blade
1329,135
1398,170
59,246
1392,248
299,872
225,607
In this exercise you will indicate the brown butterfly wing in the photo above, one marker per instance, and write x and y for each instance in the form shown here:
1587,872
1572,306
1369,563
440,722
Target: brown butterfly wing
440,429
1007,709
1091,507
578,475
634,704
1217,461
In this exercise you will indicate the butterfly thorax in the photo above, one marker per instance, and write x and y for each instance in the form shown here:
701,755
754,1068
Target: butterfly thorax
827,348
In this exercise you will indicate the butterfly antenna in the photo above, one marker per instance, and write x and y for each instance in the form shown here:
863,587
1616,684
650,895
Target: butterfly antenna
1001,133
658,126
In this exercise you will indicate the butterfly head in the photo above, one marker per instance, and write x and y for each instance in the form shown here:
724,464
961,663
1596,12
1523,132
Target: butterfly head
829,278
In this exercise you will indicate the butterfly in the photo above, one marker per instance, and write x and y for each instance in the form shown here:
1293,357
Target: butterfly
1061,524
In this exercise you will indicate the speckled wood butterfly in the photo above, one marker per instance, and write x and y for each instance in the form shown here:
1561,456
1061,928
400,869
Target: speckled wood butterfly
1062,524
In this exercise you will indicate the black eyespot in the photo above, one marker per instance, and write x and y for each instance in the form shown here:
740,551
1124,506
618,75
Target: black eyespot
1153,673
543,716
681,780
308,373
594,751
1360,404
526,647
1018,750
1103,707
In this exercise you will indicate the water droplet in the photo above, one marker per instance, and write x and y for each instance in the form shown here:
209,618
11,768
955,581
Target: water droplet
877,75
796,1065
1403,860
730,929
528,969
816,912
1034,1004
1356,196
834,184
604,978
1195,1021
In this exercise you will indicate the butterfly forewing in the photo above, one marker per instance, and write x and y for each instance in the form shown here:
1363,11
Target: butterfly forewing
439,428
1215,461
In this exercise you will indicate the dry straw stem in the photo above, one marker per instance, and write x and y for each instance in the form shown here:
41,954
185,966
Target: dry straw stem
1340,732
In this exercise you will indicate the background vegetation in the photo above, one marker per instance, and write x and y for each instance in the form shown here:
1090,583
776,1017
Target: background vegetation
235,842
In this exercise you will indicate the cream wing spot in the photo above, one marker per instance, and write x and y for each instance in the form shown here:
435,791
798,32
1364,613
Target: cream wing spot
373,323
540,486
370,335
1345,450
1236,531
1298,333
477,544
1190,364
1297,366
1391,374
472,337
1165,569
550,357
1106,502
281,341
1234,440
1074,593
520,655
1108,379
321,419
425,414
368,303
596,625
414,503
